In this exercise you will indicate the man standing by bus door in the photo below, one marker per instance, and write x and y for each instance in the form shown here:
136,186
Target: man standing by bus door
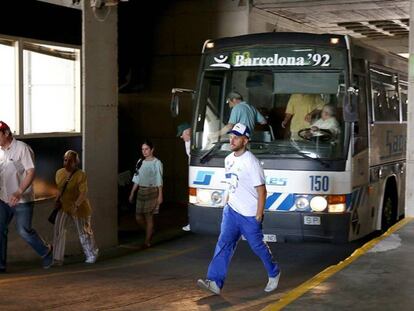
241,112
242,215
17,172
184,132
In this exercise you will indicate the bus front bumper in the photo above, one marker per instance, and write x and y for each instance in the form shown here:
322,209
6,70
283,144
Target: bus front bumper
284,226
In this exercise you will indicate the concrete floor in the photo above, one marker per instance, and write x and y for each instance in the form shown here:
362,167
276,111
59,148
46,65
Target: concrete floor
381,279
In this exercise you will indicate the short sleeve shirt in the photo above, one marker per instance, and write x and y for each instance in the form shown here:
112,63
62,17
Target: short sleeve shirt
246,114
299,105
77,184
149,174
15,160
243,174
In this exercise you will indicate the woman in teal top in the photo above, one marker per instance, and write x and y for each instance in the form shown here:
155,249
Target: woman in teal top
148,181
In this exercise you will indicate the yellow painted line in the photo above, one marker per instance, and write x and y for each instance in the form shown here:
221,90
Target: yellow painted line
328,272
97,269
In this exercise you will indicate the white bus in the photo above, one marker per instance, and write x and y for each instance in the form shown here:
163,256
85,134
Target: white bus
336,186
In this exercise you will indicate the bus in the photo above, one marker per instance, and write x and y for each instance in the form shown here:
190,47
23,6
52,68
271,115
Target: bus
320,185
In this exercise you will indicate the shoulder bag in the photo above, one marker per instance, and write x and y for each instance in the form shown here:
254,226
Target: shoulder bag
58,204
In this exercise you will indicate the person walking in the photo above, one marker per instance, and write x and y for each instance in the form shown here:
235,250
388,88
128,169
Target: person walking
184,132
72,185
242,215
17,172
148,181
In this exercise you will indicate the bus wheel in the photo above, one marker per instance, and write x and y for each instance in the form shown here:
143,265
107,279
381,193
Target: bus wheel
389,208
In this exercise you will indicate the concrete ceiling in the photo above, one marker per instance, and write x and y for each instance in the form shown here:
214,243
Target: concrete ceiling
384,23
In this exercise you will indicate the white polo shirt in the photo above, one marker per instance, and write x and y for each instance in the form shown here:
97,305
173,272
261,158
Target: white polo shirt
15,160
243,174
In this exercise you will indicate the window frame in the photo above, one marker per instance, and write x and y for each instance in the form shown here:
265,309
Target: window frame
19,44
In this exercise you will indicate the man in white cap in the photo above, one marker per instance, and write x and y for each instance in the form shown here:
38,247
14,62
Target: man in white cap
184,132
242,215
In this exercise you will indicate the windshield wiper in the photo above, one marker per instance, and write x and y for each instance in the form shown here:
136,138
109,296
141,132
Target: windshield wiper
207,155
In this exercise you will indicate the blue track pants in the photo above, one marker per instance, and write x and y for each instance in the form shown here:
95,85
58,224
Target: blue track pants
234,225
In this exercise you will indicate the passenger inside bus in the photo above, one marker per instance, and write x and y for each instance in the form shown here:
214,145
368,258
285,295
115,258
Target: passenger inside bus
326,128
301,109
327,121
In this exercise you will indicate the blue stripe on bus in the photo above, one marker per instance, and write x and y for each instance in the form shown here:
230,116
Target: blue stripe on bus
271,199
285,205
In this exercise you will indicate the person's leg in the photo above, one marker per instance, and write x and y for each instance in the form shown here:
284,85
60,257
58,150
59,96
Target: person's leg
59,237
86,237
149,221
24,214
6,215
252,231
226,244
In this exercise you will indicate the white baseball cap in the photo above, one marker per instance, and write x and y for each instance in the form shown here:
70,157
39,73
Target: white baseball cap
240,130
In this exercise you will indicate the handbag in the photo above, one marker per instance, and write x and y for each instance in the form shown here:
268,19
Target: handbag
58,204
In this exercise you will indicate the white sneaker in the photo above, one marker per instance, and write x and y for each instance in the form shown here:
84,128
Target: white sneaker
93,258
272,284
187,228
209,286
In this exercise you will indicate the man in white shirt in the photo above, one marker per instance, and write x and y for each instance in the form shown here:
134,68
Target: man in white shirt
17,173
242,215
184,132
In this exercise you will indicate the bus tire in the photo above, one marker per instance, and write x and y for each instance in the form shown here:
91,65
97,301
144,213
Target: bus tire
389,208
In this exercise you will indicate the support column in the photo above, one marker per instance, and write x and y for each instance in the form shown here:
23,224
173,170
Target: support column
409,202
100,117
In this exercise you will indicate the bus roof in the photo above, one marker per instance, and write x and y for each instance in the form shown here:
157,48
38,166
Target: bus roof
277,38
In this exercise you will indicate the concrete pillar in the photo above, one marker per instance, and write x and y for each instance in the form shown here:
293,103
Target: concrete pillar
409,207
100,117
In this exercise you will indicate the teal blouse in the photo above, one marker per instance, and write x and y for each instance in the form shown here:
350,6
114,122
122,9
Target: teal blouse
149,174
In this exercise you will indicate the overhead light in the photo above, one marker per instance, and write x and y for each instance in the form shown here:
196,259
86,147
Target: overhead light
334,40
210,45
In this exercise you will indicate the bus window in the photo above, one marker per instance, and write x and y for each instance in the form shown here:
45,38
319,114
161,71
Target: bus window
404,99
385,99
210,109
361,126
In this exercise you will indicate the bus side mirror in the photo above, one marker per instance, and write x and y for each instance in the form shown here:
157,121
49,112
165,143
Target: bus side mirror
175,105
350,105
175,100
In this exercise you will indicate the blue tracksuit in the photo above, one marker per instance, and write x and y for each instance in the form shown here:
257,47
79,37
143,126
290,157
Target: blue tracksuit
234,225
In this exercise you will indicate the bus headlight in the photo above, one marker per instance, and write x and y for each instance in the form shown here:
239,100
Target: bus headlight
301,203
337,208
318,204
216,197
209,197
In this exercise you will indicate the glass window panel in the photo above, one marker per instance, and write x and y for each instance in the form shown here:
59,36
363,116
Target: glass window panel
51,92
385,99
8,110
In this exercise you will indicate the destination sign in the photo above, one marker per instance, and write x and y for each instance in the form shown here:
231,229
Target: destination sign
275,58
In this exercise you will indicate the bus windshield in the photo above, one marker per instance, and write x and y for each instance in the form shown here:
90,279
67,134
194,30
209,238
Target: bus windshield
303,111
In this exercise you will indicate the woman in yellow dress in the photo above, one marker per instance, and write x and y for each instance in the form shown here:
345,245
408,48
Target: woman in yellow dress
75,206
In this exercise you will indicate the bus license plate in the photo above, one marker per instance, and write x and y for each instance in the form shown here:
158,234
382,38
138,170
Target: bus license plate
312,220
269,237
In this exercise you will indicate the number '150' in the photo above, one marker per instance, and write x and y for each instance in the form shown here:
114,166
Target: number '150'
319,183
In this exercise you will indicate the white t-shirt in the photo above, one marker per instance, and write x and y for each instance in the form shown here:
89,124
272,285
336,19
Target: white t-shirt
15,160
243,174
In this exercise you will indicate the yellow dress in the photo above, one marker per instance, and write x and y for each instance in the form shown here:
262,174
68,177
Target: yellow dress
76,185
